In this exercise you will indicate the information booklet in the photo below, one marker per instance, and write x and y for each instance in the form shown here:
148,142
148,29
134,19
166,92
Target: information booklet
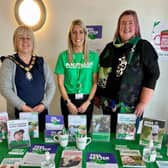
76,125
18,134
126,126
152,129
100,127
32,118
131,158
10,163
53,125
36,154
71,159
101,160
3,125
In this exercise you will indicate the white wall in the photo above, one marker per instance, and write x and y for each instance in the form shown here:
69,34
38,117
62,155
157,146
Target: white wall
51,39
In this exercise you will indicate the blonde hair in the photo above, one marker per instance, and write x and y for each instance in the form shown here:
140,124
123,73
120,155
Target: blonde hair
70,44
135,16
20,31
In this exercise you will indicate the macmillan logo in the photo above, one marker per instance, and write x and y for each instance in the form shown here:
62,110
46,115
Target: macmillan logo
79,65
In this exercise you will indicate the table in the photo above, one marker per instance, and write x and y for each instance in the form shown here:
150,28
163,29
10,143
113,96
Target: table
94,146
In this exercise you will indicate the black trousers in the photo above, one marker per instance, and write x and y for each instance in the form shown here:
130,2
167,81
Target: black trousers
88,112
113,115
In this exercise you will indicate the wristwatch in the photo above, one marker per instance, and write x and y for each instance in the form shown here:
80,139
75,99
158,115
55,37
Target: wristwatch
67,101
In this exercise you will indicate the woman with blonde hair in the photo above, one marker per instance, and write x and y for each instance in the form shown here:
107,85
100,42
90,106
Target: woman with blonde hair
76,70
26,80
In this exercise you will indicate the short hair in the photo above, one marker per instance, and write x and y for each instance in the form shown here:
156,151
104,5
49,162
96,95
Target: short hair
70,45
20,31
135,16
19,131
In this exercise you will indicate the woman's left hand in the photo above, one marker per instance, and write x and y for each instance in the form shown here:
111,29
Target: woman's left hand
39,108
84,106
139,109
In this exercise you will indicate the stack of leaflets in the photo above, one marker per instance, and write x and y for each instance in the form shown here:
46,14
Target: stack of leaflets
100,127
126,126
54,124
36,154
71,159
3,125
131,158
18,134
32,118
152,129
10,163
76,124
100,159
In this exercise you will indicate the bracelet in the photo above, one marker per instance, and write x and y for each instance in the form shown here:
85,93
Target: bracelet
67,101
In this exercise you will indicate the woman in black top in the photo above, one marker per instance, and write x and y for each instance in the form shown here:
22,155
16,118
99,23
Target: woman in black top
128,71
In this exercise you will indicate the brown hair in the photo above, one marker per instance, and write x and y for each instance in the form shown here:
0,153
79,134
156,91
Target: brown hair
135,16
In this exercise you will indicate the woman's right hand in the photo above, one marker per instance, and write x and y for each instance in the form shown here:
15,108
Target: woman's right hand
72,108
26,108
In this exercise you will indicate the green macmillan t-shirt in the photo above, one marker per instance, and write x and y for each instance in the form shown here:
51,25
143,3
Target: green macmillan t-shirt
78,75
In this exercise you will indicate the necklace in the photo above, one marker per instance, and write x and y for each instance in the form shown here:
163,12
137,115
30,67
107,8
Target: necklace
27,69
121,66
78,68
123,62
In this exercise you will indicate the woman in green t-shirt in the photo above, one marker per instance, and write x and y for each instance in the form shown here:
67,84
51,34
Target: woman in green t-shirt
76,70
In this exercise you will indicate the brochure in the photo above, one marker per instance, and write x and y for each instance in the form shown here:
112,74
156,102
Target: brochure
76,124
36,154
10,163
54,124
131,158
18,134
71,159
32,118
100,127
101,160
152,129
126,126
3,125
